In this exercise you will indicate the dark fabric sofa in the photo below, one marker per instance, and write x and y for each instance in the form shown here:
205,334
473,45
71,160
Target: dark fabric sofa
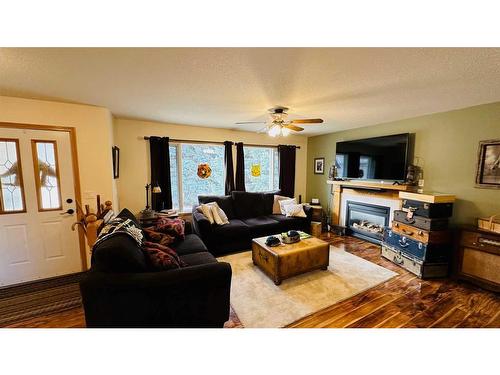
250,216
121,291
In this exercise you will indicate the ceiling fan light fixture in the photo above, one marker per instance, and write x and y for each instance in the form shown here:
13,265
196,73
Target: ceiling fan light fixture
274,130
278,125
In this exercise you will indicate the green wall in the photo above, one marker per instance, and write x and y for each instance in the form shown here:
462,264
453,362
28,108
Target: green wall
447,145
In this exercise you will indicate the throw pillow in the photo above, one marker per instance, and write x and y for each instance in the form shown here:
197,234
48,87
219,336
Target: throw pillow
284,203
215,214
162,238
276,204
295,210
205,210
171,227
218,213
161,257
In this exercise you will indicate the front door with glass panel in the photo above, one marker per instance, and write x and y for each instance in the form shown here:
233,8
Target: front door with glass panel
37,206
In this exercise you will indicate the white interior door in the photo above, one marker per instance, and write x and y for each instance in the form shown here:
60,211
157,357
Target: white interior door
37,206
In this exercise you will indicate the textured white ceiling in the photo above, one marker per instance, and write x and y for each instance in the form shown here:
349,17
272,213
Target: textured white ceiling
347,87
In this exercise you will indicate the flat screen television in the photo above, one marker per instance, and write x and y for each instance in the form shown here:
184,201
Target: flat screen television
379,158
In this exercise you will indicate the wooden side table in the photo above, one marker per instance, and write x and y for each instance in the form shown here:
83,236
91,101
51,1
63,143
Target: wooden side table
317,213
316,228
317,222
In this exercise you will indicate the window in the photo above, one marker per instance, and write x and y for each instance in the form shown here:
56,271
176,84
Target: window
261,168
195,169
198,169
47,175
366,167
174,177
11,179
341,164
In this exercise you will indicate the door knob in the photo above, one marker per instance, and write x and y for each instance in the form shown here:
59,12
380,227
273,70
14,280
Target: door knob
69,211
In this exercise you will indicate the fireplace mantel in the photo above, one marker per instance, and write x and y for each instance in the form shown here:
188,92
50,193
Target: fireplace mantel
362,188
371,185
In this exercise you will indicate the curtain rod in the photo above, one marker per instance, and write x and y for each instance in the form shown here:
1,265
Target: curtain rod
218,142
190,141
272,146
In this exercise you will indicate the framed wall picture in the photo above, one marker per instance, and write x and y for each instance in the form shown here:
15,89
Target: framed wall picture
319,166
116,162
488,164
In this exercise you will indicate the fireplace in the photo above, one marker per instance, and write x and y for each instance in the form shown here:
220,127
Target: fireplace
366,221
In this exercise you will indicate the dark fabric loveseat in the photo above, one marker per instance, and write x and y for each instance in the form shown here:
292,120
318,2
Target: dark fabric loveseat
121,291
250,216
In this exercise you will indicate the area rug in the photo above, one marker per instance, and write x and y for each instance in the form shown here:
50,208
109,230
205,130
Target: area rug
259,303
31,300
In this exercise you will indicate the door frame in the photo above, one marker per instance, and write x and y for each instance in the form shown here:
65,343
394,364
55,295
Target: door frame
76,172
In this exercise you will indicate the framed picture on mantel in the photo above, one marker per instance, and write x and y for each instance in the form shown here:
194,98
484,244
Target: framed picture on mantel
488,164
319,165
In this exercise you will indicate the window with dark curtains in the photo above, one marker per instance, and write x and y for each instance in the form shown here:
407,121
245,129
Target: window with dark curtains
240,167
228,165
287,170
160,173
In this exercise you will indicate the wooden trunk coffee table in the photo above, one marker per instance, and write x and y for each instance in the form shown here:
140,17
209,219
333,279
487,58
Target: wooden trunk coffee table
287,260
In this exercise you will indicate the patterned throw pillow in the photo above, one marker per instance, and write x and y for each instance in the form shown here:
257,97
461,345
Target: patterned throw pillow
162,238
161,257
171,227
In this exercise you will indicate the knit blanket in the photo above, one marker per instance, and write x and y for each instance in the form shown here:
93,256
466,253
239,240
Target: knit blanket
120,226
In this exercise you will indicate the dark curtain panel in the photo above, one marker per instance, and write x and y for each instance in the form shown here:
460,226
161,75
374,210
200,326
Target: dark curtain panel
160,173
228,165
240,167
287,170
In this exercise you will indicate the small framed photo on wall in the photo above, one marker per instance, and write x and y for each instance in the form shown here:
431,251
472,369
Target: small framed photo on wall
488,164
319,166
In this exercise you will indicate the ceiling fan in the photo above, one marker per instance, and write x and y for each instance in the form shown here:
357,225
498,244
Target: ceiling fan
278,124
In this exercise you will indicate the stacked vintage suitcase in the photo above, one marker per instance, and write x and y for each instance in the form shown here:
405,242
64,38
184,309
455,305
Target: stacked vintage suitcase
419,239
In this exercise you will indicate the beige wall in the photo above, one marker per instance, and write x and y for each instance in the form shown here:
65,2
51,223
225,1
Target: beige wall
93,132
134,153
447,144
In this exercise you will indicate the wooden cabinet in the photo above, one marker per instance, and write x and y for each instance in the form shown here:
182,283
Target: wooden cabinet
317,222
478,258
317,213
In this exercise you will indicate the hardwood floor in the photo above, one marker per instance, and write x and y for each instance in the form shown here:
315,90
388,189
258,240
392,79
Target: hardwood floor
403,301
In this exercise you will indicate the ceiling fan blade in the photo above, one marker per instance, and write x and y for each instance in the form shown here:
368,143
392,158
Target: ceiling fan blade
307,121
250,122
263,130
294,128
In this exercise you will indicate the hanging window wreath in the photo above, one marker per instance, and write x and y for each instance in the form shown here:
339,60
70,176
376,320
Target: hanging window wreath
204,170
